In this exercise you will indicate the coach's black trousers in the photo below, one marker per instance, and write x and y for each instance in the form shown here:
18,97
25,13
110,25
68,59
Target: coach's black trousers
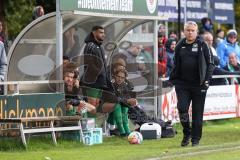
185,95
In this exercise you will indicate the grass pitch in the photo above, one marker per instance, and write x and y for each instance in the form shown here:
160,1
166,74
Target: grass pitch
221,141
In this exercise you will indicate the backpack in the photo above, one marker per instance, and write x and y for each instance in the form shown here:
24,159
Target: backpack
168,131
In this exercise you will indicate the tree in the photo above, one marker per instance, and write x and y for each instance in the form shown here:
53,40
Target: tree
17,15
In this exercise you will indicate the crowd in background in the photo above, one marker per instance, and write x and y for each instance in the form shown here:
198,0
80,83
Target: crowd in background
224,48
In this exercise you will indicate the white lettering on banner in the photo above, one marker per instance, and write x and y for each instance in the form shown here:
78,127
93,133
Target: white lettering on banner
172,3
168,14
220,95
107,5
126,6
223,6
220,102
196,15
194,4
190,15
221,18
139,37
161,2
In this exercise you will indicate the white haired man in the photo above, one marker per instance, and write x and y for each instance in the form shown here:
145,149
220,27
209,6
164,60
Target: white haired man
193,67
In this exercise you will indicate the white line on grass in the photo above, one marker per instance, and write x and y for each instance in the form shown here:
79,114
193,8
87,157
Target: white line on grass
193,153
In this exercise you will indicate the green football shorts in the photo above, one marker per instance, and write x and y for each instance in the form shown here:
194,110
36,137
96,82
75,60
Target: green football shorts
94,92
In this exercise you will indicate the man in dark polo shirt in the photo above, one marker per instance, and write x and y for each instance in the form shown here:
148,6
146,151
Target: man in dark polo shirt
193,67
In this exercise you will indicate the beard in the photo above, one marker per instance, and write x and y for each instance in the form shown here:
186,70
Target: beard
99,39
69,87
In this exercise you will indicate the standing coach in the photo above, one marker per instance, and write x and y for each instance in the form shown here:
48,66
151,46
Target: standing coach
193,67
96,82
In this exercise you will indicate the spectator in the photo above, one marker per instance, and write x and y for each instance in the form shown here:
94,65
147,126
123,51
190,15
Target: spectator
71,44
3,37
3,65
207,26
170,47
233,66
146,59
208,38
229,45
162,31
218,71
131,56
173,35
37,12
162,56
219,37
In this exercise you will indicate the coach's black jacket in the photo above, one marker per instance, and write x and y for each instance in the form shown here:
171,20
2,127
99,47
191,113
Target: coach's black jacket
95,69
199,53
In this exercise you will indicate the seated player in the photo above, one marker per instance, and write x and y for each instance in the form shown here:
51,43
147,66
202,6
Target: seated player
123,91
75,103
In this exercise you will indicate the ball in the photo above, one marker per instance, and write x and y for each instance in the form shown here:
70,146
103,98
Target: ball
135,137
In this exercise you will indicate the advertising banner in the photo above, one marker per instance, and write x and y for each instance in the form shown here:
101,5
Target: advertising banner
221,102
119,7
196,10
169,106
222,11
31,105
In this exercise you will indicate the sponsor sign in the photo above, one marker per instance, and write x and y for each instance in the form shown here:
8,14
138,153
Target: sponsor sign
31,105
196,9
118,7
221,102
222,11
